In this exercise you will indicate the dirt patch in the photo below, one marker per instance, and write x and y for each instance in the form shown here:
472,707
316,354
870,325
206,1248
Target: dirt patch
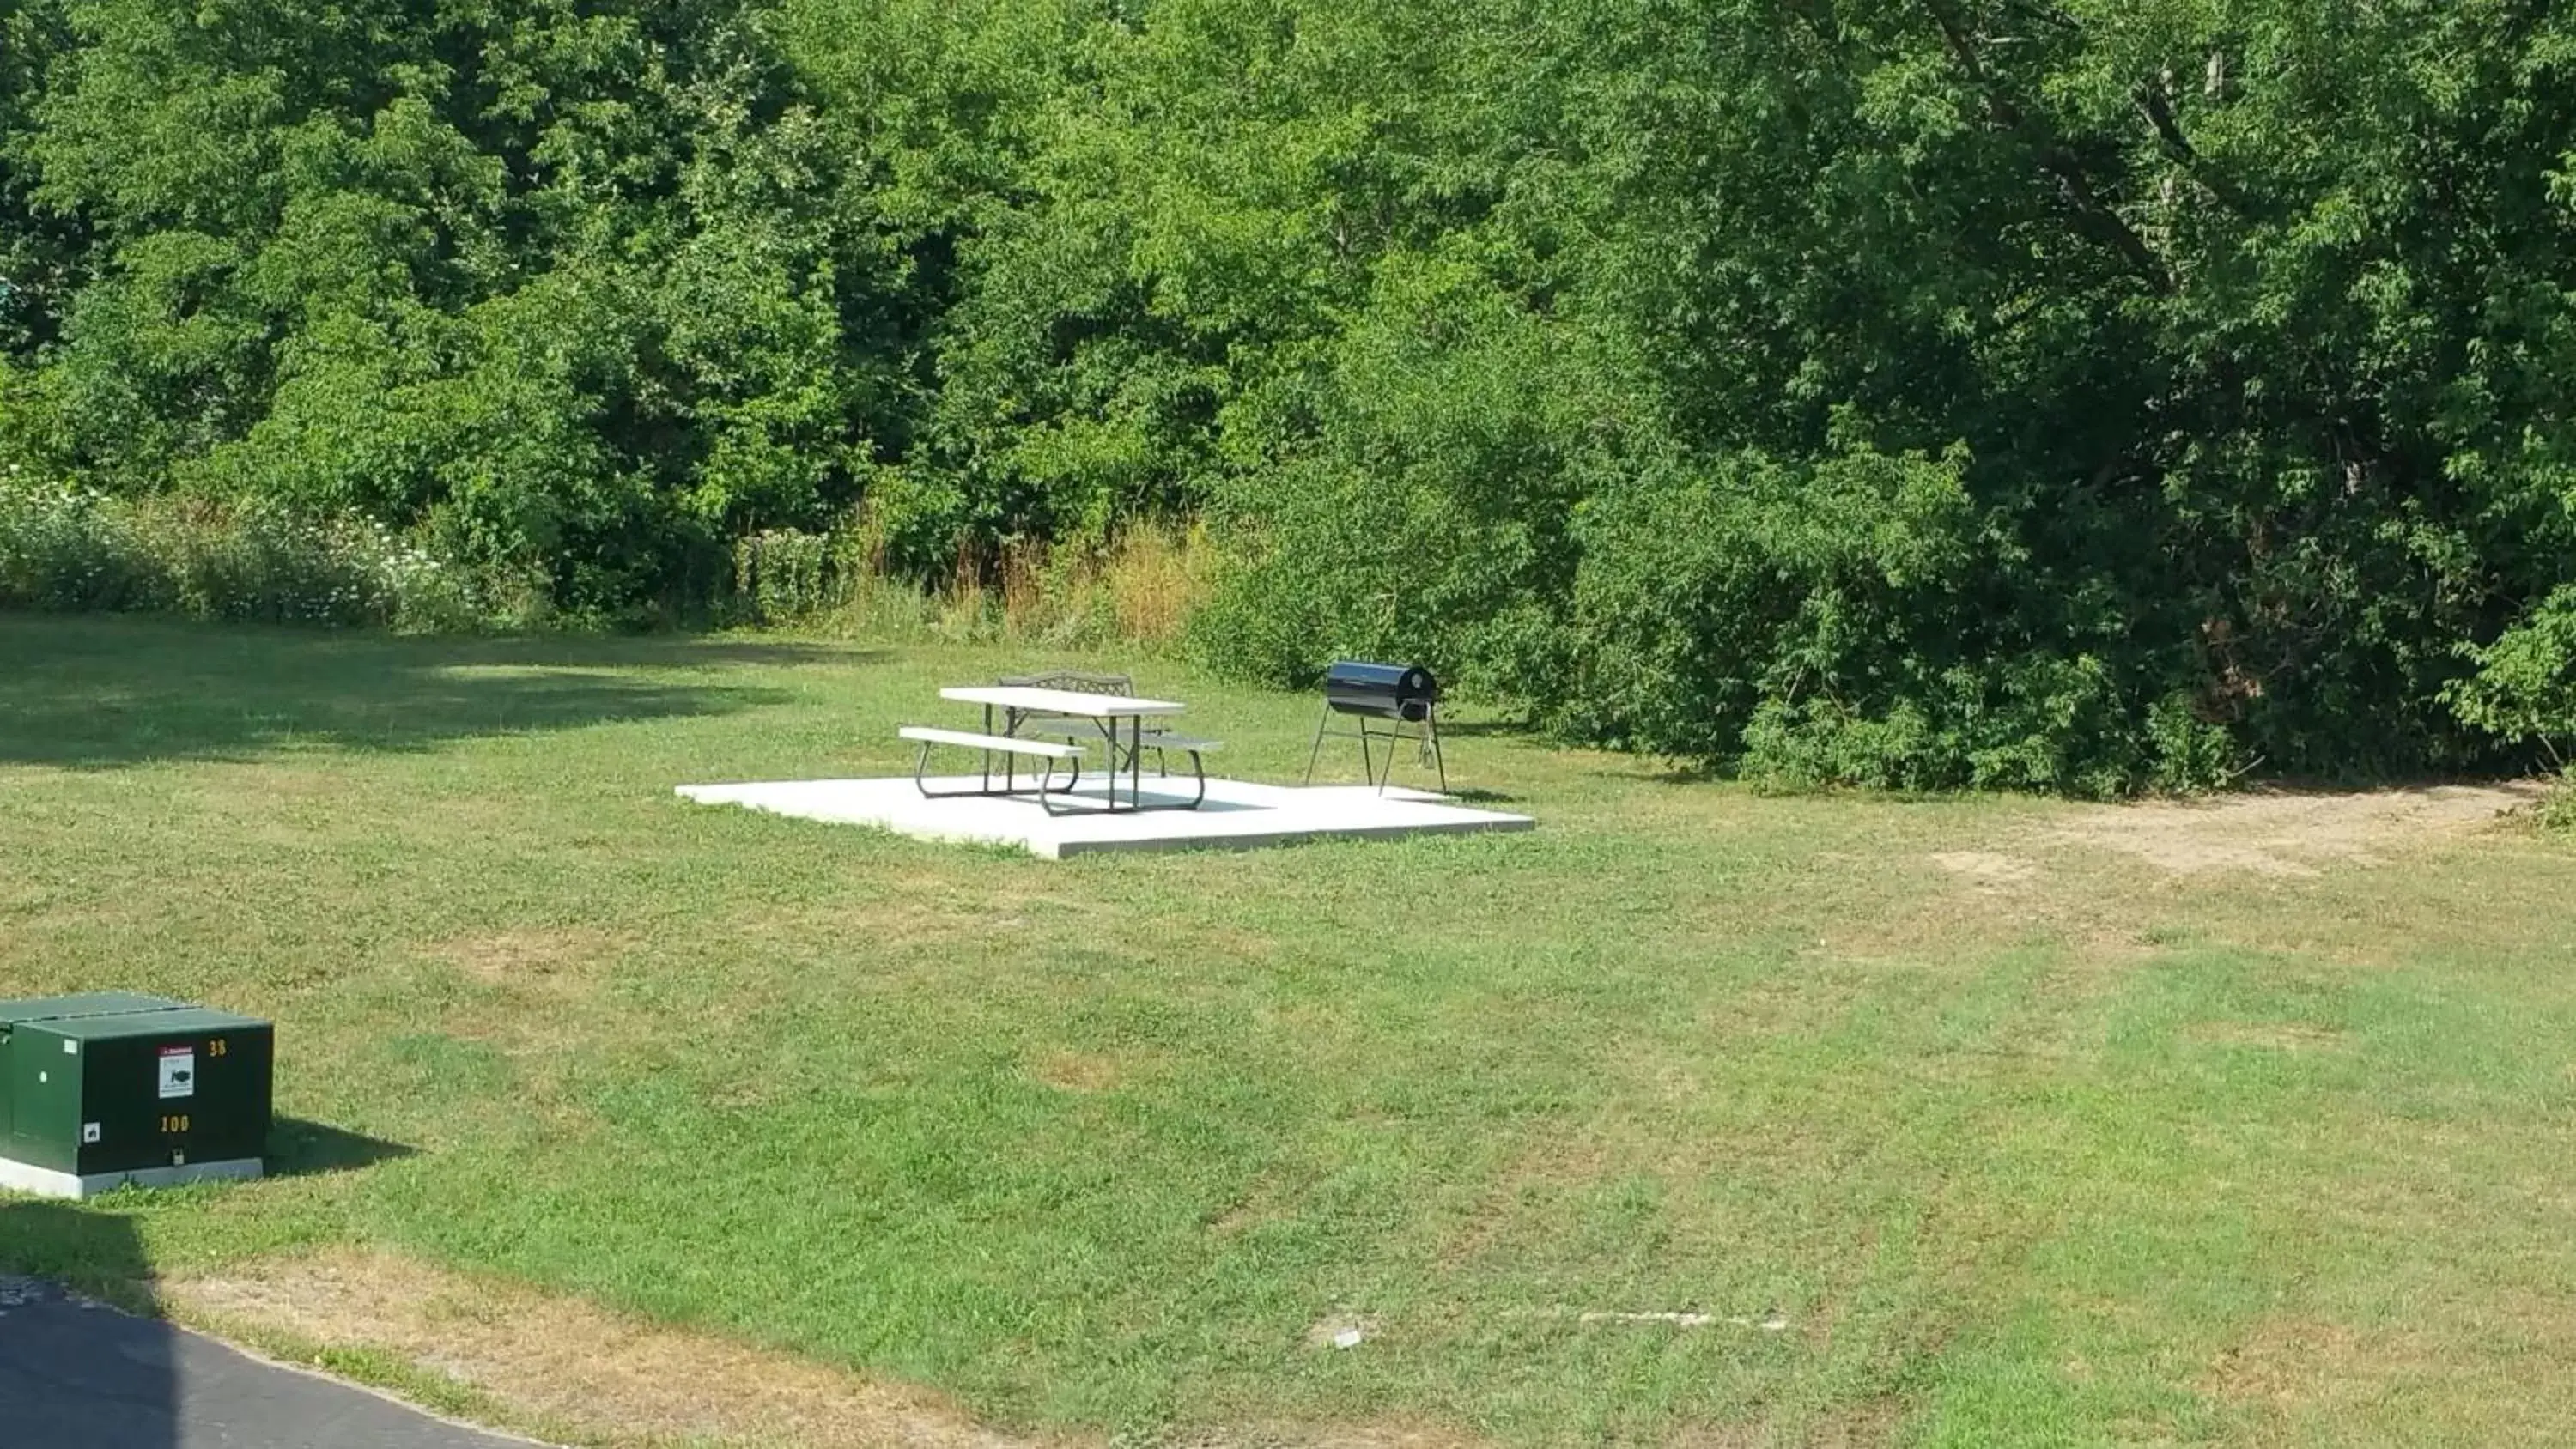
615,1378
1985,867
2287,833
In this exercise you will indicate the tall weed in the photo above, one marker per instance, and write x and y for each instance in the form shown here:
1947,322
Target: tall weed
1140,589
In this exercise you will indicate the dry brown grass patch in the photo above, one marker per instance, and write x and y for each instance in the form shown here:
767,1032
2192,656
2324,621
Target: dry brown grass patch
612,1377
529,959
2283,1362
1986,867
2290,833
1082,1073
619,1380
1868,1425
1346,1436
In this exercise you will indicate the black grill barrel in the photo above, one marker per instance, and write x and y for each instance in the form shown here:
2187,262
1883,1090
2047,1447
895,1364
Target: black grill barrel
1382,691
1406,696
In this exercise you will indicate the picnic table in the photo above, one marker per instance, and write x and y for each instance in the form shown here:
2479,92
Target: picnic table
1017,705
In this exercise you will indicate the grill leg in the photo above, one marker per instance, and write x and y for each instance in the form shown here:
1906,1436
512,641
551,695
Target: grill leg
1317,752
1431,726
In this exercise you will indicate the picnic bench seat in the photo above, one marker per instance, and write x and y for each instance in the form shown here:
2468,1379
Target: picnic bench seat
998,744
1058,718
1007,746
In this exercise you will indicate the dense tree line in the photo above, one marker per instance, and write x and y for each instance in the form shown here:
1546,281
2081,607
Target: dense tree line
2080,395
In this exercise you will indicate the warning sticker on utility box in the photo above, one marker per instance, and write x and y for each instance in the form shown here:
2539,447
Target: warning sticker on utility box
178,1072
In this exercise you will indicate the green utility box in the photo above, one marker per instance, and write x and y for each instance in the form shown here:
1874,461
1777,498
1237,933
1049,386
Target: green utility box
102,1090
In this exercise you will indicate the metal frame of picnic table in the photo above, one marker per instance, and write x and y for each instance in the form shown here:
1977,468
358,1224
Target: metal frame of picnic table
1100,709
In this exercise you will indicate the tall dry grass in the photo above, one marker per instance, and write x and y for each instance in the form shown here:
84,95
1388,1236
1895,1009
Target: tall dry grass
1138,590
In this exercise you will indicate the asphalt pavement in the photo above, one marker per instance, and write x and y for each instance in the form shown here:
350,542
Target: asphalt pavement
76,1375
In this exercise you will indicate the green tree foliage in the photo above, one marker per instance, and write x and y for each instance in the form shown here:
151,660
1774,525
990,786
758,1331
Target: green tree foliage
572,286
2075,395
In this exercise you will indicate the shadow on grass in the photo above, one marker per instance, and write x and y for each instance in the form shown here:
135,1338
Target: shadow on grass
90,692
58,1385
1486,729
95,1252
654,651
299,1148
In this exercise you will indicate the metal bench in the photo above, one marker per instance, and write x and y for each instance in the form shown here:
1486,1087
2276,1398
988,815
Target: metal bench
1009,747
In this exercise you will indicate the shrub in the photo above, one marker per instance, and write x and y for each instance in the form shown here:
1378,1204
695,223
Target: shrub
2558,807
1853,621
68,549
782,575
2524,690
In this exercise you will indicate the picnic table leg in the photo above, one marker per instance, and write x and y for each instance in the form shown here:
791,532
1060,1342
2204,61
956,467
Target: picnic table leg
1109,730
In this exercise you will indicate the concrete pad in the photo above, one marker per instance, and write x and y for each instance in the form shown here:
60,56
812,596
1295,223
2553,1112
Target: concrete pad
1238,814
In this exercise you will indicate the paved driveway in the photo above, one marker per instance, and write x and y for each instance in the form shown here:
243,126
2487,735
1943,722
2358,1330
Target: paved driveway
77,1376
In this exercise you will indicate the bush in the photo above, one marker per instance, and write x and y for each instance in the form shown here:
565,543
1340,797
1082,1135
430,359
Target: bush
2524,689
66,549
1853,621
2558,807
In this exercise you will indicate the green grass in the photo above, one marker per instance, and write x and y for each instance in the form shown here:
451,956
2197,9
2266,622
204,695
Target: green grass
2100,1155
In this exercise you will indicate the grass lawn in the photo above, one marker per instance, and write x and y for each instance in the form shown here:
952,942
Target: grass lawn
2019,1136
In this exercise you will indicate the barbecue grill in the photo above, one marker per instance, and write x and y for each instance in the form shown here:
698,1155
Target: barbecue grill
1405,698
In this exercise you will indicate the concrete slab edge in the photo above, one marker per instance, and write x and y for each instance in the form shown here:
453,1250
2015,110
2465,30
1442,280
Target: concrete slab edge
1065,849
47,1182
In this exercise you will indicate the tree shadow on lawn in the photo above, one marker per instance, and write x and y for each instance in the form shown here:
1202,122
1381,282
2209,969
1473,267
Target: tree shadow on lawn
658,651
68,1373
95,693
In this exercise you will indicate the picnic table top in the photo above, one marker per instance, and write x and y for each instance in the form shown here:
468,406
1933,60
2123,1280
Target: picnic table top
1059,701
